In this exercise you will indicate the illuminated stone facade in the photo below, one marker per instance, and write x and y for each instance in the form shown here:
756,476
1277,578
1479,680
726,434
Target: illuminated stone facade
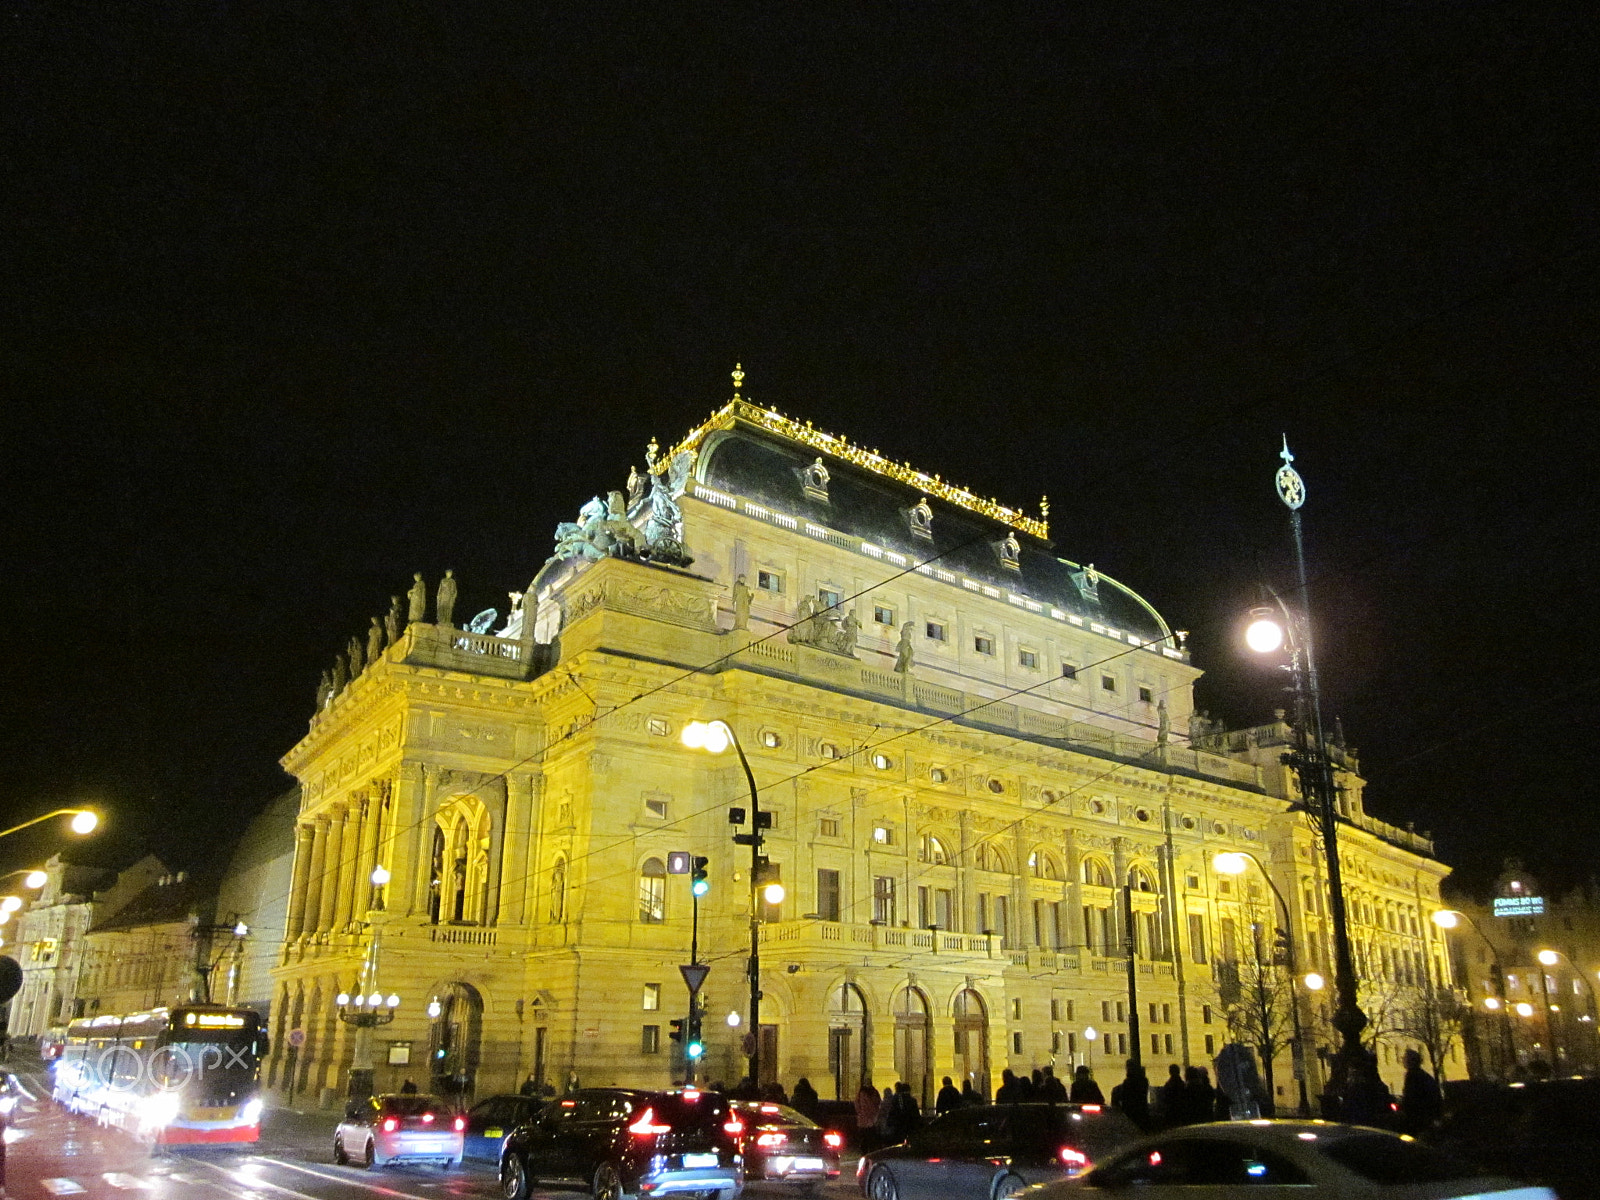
967,745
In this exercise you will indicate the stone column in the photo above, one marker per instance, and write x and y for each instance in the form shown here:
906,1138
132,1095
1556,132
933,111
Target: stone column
422,839
514,889
371,829
396,850
333,840
497,840
296,923
348,845
314,885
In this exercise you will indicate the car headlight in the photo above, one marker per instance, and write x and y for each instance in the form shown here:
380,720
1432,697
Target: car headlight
250,1114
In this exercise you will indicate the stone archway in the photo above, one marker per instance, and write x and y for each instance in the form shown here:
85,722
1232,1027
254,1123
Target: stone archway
849,1040
971,1017
455,1042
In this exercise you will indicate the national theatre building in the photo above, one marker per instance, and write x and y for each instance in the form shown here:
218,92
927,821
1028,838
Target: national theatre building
980,779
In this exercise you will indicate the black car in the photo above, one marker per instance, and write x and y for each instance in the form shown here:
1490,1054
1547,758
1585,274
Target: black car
783,1145
993,1151
621,1142
490,1119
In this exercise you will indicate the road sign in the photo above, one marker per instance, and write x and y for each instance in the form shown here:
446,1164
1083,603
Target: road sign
678,862
694,974
297,1037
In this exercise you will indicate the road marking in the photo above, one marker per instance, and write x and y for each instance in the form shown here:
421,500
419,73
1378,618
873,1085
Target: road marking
128,1183
278,1187
345,1179
185,1177
61,1187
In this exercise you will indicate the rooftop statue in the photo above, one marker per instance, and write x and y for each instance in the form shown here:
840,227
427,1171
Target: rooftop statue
391,621
341,674
603,530
905,650
354,647
823,630
417,597
374,641
514,616
446,603
324,690
663,532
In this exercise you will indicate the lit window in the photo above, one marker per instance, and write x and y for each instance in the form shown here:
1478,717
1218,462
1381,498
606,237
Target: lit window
932,851
883,835
937,775
656,807
659,726
1028,659
652,997
983,644
769,581
828,750
771,739
936,631
882,761
827,598
883,614
652,892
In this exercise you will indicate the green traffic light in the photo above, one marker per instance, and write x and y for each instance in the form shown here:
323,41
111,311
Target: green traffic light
694,1050
700,887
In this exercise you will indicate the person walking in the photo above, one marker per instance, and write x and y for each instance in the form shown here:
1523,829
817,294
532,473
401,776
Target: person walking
1174,1102
804,1097
970,1095
1131,1097
1084,1089
948,1098
1200,1098
1421,1104
1054,1090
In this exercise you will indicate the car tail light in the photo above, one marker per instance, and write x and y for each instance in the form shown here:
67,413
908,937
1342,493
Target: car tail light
390,1124
771,1139
1092,1108
427,1118
691,1094
734,1126
647,1124
461,1124
1073,1160
833,1140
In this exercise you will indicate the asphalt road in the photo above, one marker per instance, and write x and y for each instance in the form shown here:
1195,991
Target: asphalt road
53,1155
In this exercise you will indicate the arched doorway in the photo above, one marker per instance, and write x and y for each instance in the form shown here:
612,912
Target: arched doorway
849,1052
912,1053
972,1038
454,1042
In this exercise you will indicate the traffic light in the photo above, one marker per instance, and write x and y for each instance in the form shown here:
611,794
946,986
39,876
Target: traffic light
1280,948
694,1047
675,1029
698,883
677,862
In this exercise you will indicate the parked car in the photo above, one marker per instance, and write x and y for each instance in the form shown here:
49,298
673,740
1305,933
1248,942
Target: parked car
784,1145
1250,1159
399,1128
491,1119
625,1142
1545,1131
992,1151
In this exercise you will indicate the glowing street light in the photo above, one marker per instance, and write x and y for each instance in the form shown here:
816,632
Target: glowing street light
10,904
84,820
1315,982
1265,633
1524,1009
35,880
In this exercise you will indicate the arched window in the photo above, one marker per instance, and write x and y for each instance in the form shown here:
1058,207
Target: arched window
1140,879
991,858
1043,866
931,850
1095,872
652,892
558,892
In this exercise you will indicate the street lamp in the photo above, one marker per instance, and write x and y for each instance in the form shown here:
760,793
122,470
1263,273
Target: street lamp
1451,918
1550,958
84,820
1236,862
714,737
1312,765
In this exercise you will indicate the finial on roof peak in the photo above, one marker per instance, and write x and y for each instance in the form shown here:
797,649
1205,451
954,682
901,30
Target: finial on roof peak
738,379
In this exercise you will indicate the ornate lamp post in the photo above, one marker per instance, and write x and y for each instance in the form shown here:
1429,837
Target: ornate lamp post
1451,918
1267,635
367,1008
1235,862
714,737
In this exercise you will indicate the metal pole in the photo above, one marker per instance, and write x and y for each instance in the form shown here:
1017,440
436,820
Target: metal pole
1131,944
755,911
1298,1056
1549,1026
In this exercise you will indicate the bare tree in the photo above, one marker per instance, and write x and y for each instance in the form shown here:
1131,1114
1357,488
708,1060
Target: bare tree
1256,996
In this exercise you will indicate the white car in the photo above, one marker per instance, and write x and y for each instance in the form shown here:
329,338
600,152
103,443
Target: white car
1306,1159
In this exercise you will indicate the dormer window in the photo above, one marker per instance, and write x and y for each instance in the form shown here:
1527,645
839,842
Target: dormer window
921,518
1010,552
1088,581
814,481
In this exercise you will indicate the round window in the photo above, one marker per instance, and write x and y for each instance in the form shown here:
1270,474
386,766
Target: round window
771,740
1097,806
1188,822
882,762
996,786
1141,814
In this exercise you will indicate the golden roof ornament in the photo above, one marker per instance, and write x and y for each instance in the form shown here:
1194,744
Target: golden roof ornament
738,379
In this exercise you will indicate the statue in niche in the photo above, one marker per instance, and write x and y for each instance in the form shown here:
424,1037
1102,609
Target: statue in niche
391,621
418,598
341,674
905,649
354,649
324,689
374,641
822,630
741,604
445,605
1163,726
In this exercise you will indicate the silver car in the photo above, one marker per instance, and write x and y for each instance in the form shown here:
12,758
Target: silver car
399,1128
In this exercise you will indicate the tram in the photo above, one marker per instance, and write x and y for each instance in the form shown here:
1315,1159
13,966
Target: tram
185,1075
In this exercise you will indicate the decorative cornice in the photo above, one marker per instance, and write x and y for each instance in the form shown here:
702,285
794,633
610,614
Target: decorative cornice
771,420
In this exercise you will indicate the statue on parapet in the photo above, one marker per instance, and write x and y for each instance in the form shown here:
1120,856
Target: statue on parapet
741,604
905,650
391,621
356,662
663,532
341,674
822,630
374,641
514,617
324,689
418,600
445,605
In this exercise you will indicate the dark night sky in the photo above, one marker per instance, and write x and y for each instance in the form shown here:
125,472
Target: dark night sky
304,297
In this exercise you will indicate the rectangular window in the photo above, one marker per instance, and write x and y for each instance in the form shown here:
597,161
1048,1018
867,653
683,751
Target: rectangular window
827,598
1153,1011
1122,1013
1166,1014
1167,1037
883,614
828,826
1072,1042
1105,1011
1016,1043
1055,1010
656,808
983,644
936,630
650,1039
827,894
924,908
1016,1008
1055,1041
1002,919
769,581
652,997
983,914
1108,683
1122,1044
1197,938
1088,929
1072,1007
1211,1045
944,908
1155,1043
883,835
883,905
1028,659
1145,695
1205,1014
1068,671
1229,949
